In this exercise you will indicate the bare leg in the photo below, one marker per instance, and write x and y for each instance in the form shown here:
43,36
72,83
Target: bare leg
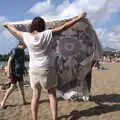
34,102
21,87
53,102
9,91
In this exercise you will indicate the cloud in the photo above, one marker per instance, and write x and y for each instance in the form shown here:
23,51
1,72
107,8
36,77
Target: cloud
7,40
6,44
3,20
42,8
97,10
109,37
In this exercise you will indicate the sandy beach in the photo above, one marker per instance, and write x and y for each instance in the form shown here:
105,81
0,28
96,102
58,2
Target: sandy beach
104,104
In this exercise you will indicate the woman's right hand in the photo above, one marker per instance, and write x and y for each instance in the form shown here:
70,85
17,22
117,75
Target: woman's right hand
82,15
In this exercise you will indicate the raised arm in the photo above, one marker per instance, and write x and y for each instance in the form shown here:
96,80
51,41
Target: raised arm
69,23
14,30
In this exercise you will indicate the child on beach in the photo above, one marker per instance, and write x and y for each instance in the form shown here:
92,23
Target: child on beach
15,71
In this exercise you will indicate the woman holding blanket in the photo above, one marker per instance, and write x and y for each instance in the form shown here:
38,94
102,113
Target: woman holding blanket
42,67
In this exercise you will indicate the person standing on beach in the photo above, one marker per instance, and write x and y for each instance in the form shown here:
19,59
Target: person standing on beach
15,72
42,60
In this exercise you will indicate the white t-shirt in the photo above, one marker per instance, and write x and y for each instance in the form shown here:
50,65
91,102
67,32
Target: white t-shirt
40,51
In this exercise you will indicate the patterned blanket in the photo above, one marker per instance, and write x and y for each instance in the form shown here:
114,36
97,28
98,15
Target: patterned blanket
76,49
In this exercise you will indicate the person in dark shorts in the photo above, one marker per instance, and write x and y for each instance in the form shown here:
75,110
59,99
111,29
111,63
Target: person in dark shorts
15,72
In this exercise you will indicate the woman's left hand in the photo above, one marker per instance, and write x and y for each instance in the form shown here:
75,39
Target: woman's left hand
6,25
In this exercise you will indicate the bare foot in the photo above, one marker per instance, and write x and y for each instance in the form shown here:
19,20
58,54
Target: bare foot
2,105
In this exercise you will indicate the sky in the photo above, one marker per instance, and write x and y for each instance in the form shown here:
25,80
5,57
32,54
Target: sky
104,15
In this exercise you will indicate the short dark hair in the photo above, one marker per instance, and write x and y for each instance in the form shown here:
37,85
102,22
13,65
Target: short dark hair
38,24
20,44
